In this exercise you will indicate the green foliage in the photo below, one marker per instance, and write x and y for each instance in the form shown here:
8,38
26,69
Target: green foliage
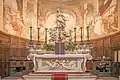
70,47
48,47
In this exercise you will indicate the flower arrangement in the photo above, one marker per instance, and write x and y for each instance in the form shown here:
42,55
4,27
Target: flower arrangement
70,47
48,47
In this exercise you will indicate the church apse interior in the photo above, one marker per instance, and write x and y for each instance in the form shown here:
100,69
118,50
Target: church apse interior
45,39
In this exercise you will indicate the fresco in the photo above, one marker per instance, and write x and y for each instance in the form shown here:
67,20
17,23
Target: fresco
102,21
108,13
13,22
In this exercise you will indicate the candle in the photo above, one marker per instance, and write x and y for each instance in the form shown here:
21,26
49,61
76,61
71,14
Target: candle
32,22
75,35
46,35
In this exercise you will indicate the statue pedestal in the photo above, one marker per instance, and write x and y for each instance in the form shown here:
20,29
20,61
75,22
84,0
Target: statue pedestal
59,48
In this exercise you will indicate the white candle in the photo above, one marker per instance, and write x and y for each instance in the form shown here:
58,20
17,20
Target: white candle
32,22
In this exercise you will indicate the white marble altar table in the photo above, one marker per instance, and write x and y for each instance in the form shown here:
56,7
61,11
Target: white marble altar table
59,63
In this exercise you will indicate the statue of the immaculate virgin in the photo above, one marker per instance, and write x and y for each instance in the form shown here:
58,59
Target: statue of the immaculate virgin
60,20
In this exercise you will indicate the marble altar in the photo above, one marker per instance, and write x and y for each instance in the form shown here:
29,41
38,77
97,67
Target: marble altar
59,63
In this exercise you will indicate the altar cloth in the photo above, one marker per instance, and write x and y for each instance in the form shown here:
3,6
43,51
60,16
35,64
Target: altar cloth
62,56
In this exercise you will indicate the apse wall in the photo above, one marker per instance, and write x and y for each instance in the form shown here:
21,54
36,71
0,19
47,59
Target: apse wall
14,44
17,16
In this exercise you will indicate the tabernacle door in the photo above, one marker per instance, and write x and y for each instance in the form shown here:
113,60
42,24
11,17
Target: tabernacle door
59,48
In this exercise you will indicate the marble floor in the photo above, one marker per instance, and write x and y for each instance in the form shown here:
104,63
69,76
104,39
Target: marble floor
107,78
100,78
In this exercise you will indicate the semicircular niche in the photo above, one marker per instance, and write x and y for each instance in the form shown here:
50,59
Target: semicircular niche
50,22
105,23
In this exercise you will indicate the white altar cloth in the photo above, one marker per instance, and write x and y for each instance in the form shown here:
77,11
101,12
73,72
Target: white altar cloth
63,56
59,63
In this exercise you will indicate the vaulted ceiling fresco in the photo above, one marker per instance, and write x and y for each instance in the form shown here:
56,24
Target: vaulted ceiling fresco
100,15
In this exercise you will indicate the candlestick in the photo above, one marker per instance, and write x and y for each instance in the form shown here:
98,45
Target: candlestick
75,35
81,36
87,33
38,35
46,35
70,32
31,33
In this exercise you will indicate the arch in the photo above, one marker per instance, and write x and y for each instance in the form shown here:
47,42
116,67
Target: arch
66,11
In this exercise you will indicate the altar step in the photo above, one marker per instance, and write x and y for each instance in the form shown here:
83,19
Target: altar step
70,76
12,78
86,76
20,78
